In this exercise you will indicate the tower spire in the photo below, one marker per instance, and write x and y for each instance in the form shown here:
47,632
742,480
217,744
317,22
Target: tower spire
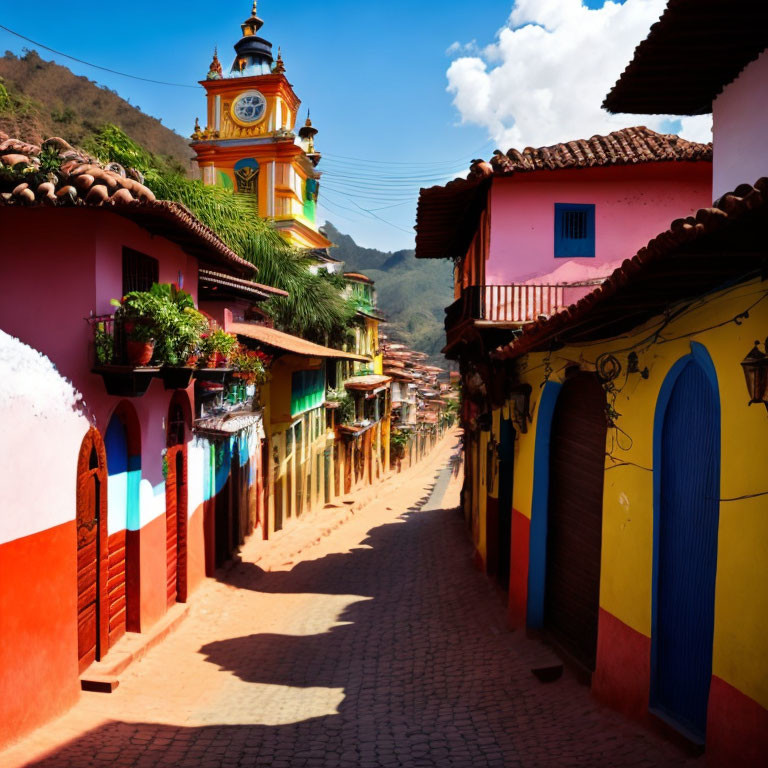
279,64
253,24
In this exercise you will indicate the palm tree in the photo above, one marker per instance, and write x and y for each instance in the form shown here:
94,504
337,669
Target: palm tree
314,308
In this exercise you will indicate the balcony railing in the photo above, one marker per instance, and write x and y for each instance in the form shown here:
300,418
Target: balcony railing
506,303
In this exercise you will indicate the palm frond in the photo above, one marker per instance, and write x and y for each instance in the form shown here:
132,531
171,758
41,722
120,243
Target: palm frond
314,308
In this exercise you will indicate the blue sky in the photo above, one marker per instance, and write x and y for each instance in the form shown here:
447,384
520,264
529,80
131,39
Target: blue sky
372,73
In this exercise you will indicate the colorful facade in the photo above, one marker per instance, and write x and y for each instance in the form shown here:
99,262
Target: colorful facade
658,518
249,144
613,461
128,535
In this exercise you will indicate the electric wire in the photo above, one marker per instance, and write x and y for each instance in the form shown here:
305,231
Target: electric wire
383,198
97,66
370,213
425,163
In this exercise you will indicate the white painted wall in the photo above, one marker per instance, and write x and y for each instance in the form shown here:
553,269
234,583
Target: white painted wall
43,427
740,124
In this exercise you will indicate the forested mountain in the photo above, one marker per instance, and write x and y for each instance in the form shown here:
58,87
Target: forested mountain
412,293
39,99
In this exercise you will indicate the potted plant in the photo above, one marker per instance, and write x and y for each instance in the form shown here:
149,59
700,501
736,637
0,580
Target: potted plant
140,314
139,345
181,348
104,343
346,413
218,346
398,443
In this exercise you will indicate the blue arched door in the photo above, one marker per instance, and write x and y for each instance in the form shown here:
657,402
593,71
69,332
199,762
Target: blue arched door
686,549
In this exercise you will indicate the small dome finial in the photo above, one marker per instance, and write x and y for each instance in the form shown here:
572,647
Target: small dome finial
215,71
279,68
254,10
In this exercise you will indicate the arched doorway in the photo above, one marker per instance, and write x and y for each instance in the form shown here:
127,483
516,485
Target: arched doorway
176,508
574,520
91,500
687,463
123,449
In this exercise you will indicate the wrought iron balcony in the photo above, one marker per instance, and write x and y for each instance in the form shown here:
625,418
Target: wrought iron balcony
505,304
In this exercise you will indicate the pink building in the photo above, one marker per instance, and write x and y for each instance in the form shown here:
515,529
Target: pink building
532,232
112,506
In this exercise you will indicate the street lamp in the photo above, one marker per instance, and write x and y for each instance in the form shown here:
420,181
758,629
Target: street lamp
755,366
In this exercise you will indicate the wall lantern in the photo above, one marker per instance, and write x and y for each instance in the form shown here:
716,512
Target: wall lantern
755,366
521,404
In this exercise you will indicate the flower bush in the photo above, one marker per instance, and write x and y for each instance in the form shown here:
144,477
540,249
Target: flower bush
218,345
250,365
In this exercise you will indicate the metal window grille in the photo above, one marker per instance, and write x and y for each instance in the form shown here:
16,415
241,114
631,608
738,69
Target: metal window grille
140,271
574,225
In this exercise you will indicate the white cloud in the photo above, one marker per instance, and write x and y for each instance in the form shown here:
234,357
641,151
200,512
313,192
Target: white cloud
464,49
544,78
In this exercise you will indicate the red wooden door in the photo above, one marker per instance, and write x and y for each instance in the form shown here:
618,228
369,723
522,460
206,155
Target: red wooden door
175,525
92,630
176,506
87,569
171,528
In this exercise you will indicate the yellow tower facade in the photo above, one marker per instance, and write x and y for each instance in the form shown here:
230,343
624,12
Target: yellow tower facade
250,145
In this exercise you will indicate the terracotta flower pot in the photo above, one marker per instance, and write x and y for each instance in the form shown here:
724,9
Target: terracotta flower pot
222,361
214,360
139,353
192,361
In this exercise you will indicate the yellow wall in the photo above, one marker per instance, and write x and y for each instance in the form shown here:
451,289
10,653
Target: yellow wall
741,606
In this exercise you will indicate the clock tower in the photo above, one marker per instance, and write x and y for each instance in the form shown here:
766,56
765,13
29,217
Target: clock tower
249,144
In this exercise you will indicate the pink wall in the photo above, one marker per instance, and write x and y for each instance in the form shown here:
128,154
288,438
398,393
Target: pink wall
740,117
632,205
61,265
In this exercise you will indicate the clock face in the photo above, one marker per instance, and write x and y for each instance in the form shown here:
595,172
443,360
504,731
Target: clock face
250,107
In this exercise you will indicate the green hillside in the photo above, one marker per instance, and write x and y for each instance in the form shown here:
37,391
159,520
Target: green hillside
412,293
39,99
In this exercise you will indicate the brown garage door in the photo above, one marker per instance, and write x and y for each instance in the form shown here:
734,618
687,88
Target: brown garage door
574,526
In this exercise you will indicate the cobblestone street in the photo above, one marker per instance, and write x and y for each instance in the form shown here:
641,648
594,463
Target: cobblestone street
377,644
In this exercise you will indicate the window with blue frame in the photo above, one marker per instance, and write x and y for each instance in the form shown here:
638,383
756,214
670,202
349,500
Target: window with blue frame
574,231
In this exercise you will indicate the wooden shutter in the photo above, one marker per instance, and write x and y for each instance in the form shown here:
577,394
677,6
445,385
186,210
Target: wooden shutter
577,465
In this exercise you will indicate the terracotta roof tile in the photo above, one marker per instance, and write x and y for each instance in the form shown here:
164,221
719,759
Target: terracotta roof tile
695,50
629,146
358,277
237,285
85,182
289,343
367,383
695,256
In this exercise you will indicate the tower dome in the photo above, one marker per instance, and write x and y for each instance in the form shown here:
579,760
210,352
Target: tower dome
253,54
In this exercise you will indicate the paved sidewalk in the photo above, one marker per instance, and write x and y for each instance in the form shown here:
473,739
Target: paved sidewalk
376,644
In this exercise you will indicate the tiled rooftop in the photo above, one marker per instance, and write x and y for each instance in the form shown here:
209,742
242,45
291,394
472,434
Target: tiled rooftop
82,181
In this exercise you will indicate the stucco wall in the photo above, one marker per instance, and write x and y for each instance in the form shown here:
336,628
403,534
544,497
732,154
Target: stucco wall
64,278
632,205
741,606
740,116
